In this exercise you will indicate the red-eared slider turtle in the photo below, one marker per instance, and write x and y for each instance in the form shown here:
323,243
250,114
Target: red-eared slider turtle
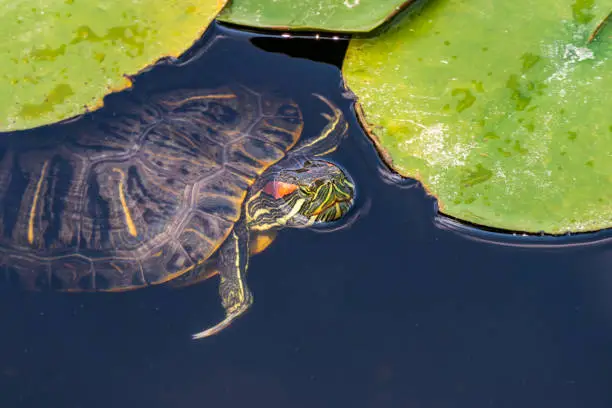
177,189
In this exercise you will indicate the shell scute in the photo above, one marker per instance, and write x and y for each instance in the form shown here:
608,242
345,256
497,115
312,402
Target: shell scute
202,234
27,273
71,273
126,205
223,195
280,131
98,139
222,115
171,150
252,157
140,196
274,105
165,264
57,221
117,275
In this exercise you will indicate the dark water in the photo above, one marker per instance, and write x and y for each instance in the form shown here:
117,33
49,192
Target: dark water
393,311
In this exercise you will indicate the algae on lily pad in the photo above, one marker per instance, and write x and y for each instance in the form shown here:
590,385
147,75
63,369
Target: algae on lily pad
327,15
60,57
502,109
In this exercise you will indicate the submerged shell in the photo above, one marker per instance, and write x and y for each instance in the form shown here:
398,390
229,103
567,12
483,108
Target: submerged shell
140,198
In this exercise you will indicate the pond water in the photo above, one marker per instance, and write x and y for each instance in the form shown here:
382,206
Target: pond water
396,310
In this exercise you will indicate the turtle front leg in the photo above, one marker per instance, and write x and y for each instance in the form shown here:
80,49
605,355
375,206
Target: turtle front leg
232,266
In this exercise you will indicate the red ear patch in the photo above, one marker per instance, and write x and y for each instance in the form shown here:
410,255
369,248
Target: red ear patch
278,189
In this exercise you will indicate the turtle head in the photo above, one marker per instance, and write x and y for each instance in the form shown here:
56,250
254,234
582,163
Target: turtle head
305,194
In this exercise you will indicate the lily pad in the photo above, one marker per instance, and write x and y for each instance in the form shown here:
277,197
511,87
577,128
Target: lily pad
503,110
60,57
351,16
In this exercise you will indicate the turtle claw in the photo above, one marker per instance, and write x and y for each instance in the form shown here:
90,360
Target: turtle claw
229,318
216,328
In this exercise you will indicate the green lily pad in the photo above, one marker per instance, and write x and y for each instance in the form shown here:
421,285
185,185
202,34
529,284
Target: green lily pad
60,57
503,110
326,15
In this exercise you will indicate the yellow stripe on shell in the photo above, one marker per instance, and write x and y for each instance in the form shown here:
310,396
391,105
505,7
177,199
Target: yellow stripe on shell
35,202
126,211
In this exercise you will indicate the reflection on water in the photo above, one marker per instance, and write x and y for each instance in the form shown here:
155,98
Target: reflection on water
392,311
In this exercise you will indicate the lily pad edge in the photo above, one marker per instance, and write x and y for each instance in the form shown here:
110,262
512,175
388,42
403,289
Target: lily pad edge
458,223
380,24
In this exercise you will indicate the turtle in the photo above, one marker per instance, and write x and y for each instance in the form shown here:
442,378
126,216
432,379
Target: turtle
175,189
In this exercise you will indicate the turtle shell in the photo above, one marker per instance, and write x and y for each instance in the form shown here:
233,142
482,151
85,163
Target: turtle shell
140,197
